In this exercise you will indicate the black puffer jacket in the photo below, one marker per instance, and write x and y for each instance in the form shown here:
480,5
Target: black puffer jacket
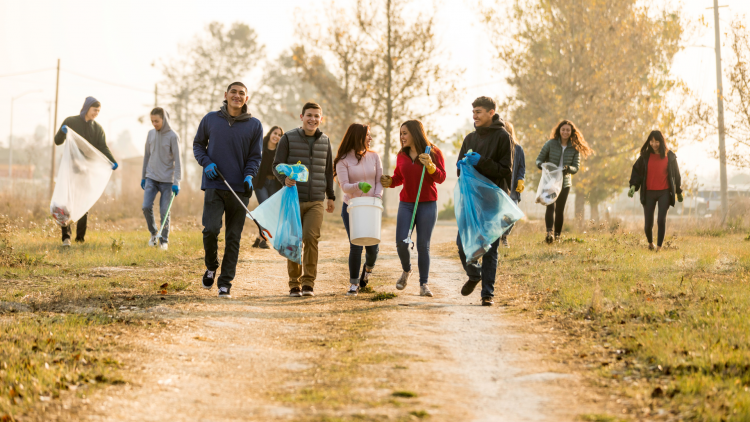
494,146
639,176
318,158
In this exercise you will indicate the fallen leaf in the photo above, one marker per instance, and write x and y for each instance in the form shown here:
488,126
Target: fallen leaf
163,292
164,286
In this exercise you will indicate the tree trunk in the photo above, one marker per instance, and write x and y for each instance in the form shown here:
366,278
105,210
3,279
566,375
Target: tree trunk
594,210
580,203
388,105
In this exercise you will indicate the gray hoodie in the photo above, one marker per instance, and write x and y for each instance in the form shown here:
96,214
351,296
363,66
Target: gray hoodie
161,161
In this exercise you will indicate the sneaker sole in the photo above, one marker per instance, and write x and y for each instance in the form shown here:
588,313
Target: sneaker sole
295,295
465,290
225,296
351,294
308,294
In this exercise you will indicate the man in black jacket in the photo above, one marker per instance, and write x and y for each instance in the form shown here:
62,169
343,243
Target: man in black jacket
84,125
492,156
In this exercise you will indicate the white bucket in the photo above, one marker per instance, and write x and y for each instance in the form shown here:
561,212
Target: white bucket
365,215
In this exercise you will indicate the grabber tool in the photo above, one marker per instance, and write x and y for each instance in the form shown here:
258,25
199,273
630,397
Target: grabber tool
414,214
264,233
164,220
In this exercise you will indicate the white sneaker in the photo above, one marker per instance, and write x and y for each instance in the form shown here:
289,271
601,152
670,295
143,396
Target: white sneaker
425,291
353,290
164,246
152,241
66,243
401,283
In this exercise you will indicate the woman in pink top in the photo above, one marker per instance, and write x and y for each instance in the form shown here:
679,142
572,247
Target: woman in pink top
358,171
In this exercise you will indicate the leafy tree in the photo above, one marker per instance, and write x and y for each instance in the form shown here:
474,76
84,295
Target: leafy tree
605,65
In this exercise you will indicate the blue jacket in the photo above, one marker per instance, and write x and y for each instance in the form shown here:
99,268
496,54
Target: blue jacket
234,144
519,172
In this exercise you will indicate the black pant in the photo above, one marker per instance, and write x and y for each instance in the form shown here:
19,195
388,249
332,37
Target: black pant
80,229
654,197
215,204
556,212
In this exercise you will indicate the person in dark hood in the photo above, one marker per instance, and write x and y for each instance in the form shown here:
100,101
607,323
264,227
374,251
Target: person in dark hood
229,141
657,175
161,173
519,176
492,156
84,125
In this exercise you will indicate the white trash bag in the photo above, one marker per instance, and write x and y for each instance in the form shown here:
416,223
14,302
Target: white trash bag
550,185
84,173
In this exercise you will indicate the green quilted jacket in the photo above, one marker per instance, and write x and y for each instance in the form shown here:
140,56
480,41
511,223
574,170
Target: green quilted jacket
551,152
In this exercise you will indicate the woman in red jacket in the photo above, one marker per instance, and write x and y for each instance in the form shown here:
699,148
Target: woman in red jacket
410,162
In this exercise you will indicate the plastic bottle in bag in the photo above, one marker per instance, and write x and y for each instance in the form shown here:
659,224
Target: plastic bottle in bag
550,185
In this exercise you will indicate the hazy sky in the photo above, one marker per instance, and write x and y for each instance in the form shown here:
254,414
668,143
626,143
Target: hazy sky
117,42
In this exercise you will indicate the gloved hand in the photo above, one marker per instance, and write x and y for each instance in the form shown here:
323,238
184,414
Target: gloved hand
520,187
210,171
631,192
426,161
176,189
680,198
114,166
364,187
386,181
566,169
64,129
248,184
473,158
143,184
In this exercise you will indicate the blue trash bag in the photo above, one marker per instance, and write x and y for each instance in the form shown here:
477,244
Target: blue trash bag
297,172
483,211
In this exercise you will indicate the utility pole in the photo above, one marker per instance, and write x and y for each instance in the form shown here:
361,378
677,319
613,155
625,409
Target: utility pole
156,95
54,128
720,99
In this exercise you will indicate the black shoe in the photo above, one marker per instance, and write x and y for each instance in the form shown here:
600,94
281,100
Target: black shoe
208,279
487,301
257,242
295,292
263,245
364,277
469,287
549,239
307,291
224,293
80,240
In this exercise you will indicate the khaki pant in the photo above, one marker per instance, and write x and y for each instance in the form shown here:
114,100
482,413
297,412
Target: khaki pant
312,219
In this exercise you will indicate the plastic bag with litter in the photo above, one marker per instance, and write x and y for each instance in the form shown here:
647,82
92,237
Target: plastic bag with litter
550,185
483,211
84,173
280,215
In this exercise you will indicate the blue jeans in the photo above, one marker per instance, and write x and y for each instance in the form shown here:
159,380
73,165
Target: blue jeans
269,188
355,252
149,195
423,223
484,271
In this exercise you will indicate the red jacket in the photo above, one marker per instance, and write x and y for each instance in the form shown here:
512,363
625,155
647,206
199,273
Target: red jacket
408,172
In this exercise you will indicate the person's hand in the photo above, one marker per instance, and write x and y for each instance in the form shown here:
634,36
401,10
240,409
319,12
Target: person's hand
114,166
426,161
364,187
289,182
631,192
248,183
473,158
566,169
330,206
143,184
176,189
539,166
520,187
64,129
210,171
386,181
680,198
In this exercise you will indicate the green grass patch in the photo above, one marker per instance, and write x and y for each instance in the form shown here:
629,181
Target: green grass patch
383,296
404,394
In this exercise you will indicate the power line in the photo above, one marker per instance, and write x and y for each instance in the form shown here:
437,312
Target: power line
26,73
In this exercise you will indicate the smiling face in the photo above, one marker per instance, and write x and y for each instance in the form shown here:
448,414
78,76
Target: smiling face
311,120
275,136
482,116
368,140
92,113
406,139
157,121
236,97
566,131
654,144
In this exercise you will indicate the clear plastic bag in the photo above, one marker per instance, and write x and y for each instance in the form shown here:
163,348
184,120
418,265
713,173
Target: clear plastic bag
297,172
483,211
550,185
83,175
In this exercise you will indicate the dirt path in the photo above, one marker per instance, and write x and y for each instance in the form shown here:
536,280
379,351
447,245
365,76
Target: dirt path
264,356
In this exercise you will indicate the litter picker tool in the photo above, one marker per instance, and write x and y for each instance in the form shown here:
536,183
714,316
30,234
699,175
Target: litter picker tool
265,234
164,221
414,214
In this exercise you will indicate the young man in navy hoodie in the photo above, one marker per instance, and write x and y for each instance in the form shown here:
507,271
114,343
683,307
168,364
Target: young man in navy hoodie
230,141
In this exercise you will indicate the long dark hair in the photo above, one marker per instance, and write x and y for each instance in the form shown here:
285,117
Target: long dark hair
416,129
268,136
354,140
576,138
663,148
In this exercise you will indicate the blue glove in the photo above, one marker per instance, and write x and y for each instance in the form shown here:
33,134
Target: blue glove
210,171
248,183
143,184
64,129
176,189
114,166
473,158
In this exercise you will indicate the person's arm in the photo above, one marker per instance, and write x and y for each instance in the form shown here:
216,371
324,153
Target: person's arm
461,154
330,193
252,161
636,175
60,135
282,154
521,164
439,175
543,156
378,174
200,144
177,159
677,178
102,142
342,173
573,168
146,156
500,166
398,178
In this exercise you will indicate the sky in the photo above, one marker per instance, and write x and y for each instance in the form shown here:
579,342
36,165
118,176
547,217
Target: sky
108,50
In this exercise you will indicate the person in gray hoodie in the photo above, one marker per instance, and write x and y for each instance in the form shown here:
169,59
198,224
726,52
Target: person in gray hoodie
161,174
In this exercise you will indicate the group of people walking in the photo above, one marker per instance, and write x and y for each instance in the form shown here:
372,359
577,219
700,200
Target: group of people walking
230,147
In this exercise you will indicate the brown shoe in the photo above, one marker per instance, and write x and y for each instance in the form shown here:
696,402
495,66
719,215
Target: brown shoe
295,292
307,291
487,301
469,287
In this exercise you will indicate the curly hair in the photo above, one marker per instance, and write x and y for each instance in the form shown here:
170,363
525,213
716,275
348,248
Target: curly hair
576,138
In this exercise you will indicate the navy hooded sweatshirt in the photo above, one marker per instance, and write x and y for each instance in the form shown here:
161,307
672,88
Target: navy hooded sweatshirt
233,143
90,131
